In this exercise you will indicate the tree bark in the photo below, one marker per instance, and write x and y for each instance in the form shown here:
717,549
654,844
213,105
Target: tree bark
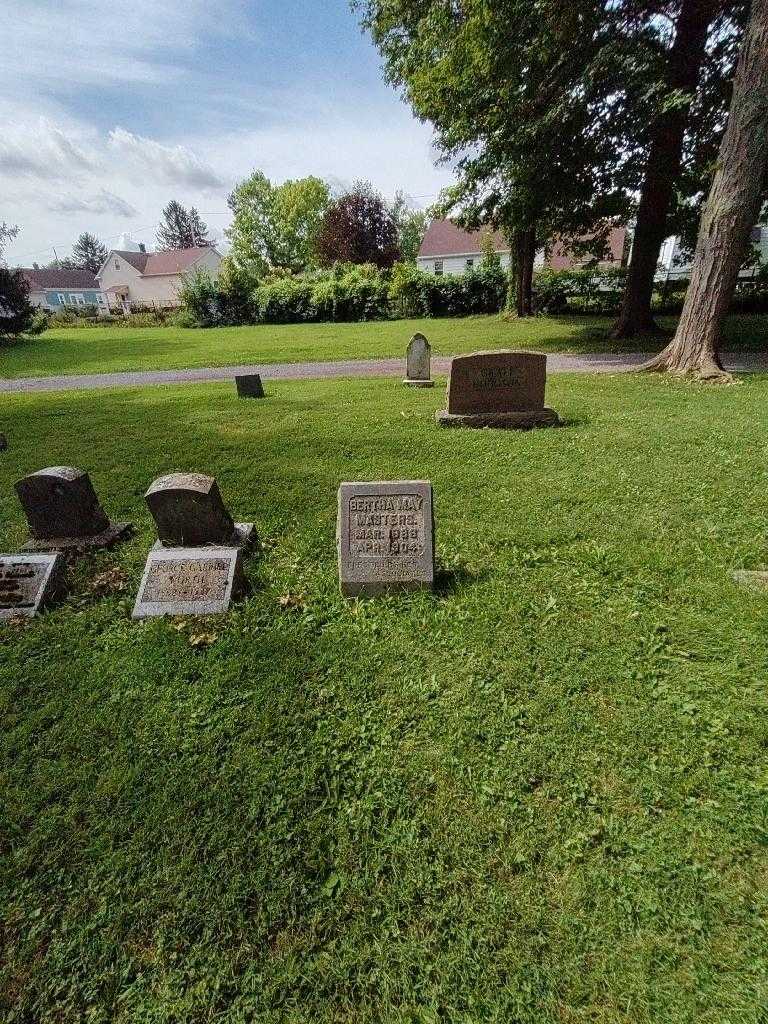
524,248
733,207
663,169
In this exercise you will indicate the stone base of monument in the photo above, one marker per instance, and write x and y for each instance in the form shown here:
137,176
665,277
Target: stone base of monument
500,420
754,580
419,383
190,581
29,583
74,545
244,539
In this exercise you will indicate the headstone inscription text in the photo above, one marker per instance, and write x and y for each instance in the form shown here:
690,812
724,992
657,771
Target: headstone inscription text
498,389
190,581
27,582
385,536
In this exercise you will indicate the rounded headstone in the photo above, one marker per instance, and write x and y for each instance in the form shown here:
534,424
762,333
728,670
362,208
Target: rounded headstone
189,511
60,502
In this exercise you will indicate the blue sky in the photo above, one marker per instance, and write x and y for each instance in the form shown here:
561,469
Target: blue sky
110,110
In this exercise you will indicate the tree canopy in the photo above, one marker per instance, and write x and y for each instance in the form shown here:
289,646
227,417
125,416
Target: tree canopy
181,228
88,253
359,228
276,226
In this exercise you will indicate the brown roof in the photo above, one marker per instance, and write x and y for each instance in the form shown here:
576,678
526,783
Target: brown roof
157,264
444,238
59,277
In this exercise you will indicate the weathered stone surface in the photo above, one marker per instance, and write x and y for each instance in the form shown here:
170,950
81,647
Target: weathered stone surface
418,363
498,389
189,512
385,537
29,582
249,386
752,580
63,511
190,581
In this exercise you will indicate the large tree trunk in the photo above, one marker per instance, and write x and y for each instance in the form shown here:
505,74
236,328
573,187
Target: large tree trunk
732,208
524,249
663,169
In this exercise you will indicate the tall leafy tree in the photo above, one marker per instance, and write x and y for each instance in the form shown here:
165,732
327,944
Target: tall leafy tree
411,226
181,228
7,233
514,111
88,253
276,226
16,311
549,111
731,210
358,228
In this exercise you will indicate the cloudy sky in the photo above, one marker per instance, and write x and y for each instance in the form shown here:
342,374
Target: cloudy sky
110,110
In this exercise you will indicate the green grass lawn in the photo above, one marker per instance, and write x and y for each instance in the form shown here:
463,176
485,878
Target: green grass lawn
108,349
537,795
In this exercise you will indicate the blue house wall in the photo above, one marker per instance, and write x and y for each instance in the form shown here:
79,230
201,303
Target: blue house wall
90,297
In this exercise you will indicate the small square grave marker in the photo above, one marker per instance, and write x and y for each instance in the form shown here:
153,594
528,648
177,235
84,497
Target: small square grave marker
190,581
385,537
498,389
249,386
28,582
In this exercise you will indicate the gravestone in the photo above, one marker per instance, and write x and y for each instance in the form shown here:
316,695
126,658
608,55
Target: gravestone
417,363
249,386
64,513
190,581
28,583
385,537
189,513
498,389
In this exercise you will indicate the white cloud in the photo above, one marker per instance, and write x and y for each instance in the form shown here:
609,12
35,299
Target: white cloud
103,202
43,151
176,165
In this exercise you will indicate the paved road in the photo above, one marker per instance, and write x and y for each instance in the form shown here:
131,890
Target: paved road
556,363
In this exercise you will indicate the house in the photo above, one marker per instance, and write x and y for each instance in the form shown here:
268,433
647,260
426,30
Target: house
449,249
674,263
135,279
53,288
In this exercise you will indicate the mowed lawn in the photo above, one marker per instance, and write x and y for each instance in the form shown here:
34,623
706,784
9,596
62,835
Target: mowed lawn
112,349
537,795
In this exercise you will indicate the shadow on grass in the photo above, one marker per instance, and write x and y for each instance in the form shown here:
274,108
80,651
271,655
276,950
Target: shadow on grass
450,579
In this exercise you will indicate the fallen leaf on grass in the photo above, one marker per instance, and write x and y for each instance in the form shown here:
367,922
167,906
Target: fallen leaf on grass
291,602
202,639
111,581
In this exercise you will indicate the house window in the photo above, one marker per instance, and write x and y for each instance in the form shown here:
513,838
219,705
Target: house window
61,298
80,300
470,264
117,264
438,267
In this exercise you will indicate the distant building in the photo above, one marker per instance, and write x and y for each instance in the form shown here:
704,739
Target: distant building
54,288
673,263
131,279
449,249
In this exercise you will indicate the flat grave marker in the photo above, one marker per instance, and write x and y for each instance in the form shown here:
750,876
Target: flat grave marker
498,389
385,537
190,581
28,583
64,513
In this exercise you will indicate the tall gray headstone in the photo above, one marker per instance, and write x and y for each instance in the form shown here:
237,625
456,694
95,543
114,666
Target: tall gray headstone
63,511
28,583
190,581
385,537
189,512
418,359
